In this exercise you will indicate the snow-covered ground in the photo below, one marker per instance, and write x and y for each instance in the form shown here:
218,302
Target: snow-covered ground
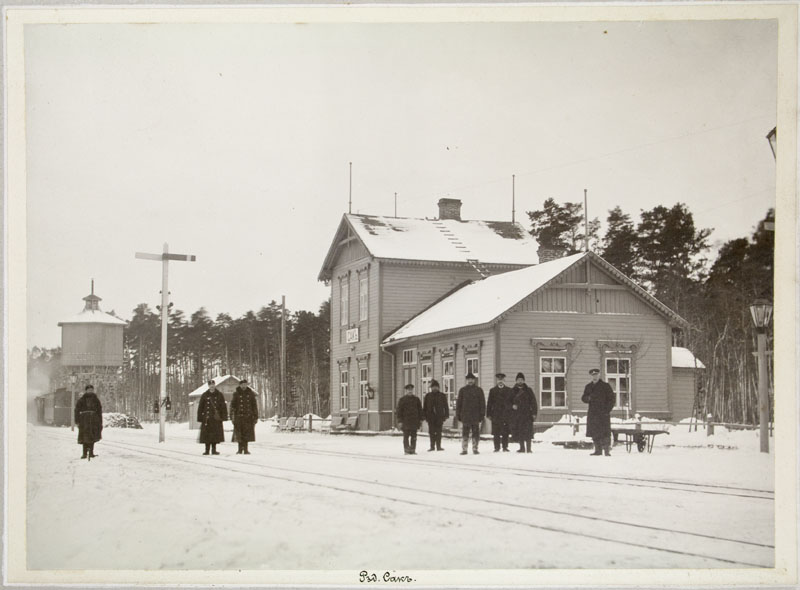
317,501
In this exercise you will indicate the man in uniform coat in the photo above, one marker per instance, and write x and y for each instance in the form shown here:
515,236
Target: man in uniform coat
498,409
244,415
470,410
409,419
436,412
211,413
601,399
89,418
524,409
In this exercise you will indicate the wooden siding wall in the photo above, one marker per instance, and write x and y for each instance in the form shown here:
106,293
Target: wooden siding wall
580,301
408,289
483,342
682,393
364,353
651,333
91,345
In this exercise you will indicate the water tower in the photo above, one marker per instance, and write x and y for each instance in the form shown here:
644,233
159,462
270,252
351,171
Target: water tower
91,351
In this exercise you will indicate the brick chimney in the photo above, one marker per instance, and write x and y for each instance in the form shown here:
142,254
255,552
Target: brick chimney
450,209
547,254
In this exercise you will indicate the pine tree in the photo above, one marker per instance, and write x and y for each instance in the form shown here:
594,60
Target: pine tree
619,246
560,227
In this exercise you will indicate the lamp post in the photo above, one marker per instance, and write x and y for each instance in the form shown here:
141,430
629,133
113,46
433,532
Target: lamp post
72,380
761,312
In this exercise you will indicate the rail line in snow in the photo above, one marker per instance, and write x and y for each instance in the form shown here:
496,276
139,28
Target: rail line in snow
672,485
625,533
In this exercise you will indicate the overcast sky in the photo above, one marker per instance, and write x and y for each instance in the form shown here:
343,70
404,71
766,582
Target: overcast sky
232,142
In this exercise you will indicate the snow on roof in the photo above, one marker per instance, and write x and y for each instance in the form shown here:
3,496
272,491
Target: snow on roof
217,381
682,358
94,316
482,301
445,240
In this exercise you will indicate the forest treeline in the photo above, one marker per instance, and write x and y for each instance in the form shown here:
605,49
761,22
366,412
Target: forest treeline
662,250
666,253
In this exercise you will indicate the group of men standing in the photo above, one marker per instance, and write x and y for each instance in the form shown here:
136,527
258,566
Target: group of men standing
212,412
512,411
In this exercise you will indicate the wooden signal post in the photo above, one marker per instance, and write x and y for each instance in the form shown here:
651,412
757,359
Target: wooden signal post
165,257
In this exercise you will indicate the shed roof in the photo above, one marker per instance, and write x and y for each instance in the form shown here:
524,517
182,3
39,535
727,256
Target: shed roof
436,240
682,358
94,316
486,300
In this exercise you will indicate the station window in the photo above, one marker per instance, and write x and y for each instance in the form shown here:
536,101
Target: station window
553,381
449,381
344,397
618,376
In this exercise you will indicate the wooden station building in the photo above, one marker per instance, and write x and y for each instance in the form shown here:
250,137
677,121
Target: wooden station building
420,299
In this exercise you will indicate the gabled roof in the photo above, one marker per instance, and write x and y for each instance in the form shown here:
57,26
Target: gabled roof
485,301
682,358
218,380
435,240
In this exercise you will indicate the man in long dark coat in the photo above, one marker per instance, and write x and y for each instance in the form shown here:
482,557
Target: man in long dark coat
244,415
436,411
470,411
211,413
498,409
89,418
601,399
409,419
524,409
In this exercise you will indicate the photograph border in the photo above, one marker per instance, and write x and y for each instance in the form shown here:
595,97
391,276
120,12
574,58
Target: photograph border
786,283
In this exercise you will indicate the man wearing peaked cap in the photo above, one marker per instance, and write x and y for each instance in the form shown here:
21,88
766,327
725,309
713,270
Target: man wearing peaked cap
244,415
436,412
498,410
524,409
470,410
409,419
601,399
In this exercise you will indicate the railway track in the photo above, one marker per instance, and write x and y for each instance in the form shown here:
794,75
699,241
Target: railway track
624,533
720,490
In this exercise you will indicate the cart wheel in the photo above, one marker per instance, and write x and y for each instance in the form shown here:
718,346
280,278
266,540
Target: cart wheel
640,444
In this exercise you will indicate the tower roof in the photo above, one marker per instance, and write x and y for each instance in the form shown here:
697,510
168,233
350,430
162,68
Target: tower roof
92,314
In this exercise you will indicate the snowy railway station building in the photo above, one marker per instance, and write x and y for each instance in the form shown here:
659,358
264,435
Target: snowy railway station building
420,299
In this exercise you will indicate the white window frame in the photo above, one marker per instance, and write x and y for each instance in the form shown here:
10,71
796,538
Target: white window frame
363,298
613,379
474,362
363,383
344,302
410,367
449,380
344,389
551,376
426,374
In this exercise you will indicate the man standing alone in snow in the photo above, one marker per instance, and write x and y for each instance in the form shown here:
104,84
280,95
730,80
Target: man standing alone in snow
89,418
600,397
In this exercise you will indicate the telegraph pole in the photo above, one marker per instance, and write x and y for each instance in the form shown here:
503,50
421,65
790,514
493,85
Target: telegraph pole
283,355
165,257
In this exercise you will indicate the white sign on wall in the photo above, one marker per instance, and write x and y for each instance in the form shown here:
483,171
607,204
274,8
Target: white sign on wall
351,336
